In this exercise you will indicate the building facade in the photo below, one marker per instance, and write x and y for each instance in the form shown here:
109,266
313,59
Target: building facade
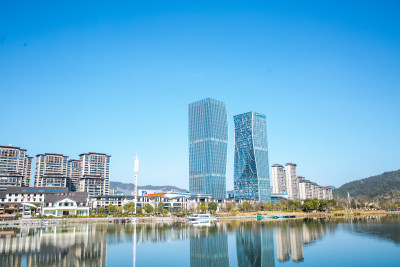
15,167
95,173
74,173
292,184
51,170
251,173
208,143
278,179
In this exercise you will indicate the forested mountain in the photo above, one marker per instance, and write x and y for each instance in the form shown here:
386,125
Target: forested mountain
385,185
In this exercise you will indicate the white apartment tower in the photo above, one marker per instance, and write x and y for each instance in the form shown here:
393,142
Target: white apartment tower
95,173
74,173
278,179
15,167
292,184
51,170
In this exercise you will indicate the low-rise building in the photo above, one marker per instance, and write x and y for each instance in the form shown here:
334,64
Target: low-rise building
105,200
75,203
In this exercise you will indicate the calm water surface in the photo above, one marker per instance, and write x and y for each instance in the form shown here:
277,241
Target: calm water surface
357,242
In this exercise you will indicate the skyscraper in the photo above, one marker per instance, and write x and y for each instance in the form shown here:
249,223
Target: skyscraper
15,167
251,174
208,142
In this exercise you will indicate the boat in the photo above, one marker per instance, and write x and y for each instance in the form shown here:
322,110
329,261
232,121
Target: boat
200,218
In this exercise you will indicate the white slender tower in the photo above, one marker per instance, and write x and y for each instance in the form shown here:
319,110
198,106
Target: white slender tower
136,175
134,232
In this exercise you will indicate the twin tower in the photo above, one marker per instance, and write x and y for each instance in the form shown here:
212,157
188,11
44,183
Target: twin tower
208,144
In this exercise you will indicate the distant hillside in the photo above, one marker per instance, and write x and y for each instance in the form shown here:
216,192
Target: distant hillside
378,186
130,187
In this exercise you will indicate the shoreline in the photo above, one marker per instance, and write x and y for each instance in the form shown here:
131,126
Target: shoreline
37,222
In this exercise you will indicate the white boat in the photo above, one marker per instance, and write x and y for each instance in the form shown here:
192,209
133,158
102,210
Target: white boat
200,219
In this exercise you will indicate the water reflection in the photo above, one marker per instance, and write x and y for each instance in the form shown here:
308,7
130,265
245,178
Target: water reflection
255,245
209,246
223,244
82,245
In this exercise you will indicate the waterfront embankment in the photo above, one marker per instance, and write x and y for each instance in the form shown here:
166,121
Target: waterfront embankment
221,216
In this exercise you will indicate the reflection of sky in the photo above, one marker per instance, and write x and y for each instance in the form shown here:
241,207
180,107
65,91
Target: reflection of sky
245,244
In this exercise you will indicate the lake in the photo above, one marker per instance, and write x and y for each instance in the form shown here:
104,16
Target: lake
333,242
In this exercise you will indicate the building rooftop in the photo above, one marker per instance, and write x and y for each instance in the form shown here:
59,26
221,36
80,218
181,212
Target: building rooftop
19,190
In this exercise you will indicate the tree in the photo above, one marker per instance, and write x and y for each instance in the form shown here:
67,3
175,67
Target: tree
229,206
257,206
267,206
129,206
160,207
101,210
112,208
203,208
164,211
138,210
315,203
332,203
323,204
308,205
148,208
246,206
212,206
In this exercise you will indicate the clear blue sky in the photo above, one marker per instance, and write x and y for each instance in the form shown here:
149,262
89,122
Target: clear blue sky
117,78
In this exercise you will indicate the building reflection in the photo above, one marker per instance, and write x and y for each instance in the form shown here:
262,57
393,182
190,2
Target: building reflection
86,245
255,245
55,246
292,236
209,246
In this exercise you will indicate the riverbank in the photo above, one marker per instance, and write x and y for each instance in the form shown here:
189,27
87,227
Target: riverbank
221,216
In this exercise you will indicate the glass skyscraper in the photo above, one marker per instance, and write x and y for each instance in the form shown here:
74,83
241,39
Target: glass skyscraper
208,141
251,174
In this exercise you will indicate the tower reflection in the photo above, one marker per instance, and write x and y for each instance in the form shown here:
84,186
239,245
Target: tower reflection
56,246
209,246
292,236
255,245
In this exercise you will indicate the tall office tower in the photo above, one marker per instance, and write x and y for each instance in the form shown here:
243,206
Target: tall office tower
95,173
278,179
251,173
51,170
74,173
292,184
15,167
208,142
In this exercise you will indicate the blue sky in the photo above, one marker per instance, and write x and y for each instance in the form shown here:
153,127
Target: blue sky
117,78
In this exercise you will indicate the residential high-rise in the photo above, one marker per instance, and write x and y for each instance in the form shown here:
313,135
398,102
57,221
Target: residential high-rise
74,173
292,184
51,170
251,173
15,167
95,173
208,142
278,179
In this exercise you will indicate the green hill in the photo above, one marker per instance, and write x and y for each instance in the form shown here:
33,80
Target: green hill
379,186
